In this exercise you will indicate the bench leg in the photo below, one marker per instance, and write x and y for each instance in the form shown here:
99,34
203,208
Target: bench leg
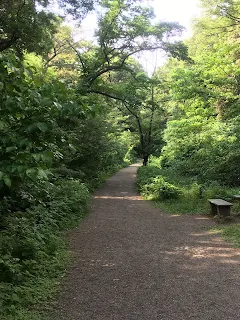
214,210
224,211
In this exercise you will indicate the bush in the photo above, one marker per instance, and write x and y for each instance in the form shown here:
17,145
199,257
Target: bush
32,259
165,189
159,189
215,190
232,234
66,173
155,186
196,191
69,202
145,174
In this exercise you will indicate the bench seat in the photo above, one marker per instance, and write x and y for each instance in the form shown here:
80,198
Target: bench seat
236,197
220,207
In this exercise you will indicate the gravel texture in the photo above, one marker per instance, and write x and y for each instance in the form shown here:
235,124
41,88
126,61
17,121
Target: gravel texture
133,262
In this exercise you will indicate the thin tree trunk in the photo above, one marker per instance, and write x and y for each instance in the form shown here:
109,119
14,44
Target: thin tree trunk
145,159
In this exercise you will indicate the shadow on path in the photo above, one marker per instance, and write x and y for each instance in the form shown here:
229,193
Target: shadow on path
131,261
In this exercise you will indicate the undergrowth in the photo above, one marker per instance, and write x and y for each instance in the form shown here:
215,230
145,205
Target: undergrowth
179,195
176,194
33,252
33,249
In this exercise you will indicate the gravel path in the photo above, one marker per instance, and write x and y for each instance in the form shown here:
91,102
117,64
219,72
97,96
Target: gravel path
133,262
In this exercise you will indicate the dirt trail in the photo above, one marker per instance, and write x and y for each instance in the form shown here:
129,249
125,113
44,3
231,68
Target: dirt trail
131,261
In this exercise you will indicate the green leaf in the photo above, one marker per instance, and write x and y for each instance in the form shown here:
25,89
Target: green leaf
25,143
42,174
47,156
32,173
10,149
42,126
7,181
20,168
57,105
15,298
3,125
37,156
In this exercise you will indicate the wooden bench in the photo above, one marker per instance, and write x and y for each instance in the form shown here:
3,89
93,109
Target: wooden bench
220,207
236,197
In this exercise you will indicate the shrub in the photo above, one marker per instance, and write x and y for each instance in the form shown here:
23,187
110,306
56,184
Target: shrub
196,191
154,186
145,174
32,259
66,173
159,189
215,190
166,190
69,201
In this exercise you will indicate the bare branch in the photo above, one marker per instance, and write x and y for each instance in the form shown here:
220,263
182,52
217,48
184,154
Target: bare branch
79,56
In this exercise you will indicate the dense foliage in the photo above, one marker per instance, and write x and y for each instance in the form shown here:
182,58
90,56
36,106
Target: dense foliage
201,138
202,134
180,194
151,184
56,146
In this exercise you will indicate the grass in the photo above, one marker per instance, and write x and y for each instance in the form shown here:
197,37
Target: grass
190,203
183,205
33,250
230,233
192,198
31,297
34,299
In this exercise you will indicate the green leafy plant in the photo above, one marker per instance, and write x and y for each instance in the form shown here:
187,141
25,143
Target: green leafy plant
155,186
35,256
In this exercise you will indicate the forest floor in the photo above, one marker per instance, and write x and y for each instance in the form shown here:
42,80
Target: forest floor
131,261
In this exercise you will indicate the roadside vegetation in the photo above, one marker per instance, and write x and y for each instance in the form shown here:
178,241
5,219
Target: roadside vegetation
199,154
179,195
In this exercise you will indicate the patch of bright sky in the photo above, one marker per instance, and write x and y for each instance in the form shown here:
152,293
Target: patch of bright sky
181,11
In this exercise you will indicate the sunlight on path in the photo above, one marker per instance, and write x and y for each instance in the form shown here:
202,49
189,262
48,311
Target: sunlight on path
133,262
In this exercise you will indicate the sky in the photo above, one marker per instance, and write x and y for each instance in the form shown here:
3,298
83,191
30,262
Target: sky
182,11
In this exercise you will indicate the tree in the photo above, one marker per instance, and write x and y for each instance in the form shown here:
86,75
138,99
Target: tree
141,103
202,134
137,97
62,57
77,8
126,29
28,24
23,27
